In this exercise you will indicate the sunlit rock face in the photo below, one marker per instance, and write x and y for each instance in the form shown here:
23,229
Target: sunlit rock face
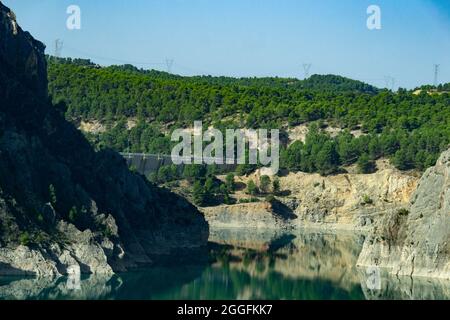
336,202
417,242
63,205
339,201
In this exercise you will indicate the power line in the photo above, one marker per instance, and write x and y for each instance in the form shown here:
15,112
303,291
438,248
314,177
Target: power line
169,65
306,69
390,82
92,56
436,74
58,47
194,70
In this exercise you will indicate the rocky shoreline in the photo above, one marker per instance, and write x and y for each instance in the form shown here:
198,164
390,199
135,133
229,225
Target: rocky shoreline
407,220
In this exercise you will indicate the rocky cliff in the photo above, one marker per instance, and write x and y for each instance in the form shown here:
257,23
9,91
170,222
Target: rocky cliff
416,242
348,201
62,203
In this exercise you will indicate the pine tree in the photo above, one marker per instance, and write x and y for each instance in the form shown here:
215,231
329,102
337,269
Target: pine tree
276,186
365,164
198,193
229,181
264,183
73,214
252,189
52,195
327,160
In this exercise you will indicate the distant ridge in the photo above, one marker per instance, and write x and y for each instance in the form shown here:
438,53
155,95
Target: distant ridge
328,83
331,82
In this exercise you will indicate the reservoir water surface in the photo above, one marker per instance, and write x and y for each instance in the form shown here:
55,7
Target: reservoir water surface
245,264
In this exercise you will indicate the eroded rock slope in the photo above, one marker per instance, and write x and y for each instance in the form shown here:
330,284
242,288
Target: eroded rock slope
416,242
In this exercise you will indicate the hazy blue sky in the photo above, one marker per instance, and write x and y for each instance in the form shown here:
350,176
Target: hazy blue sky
253,37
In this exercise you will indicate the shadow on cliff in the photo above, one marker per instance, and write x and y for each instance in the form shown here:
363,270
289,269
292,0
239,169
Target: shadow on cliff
47,163
282,211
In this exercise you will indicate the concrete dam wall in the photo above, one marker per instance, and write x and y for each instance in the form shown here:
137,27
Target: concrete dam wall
147,164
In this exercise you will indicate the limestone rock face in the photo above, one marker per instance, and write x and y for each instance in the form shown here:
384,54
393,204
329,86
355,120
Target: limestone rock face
348,201
259,216
81,251
416,243
61,203
22,260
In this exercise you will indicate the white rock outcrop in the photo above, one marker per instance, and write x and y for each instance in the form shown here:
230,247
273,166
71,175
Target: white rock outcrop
416,242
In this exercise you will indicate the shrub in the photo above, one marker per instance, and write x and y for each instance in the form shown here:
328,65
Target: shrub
107,233
223,189
276,186
166,174
198,194
73,214
245,169
365,164
367,200
250,200
153,177
194,172
209,186
264,183
229,181
39,217
403,212
41,238
252,189
24,238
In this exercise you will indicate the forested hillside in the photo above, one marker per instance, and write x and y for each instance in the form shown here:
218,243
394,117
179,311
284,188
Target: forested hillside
410,127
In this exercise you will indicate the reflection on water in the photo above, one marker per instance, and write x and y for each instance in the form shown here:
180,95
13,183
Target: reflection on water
405,288
245,265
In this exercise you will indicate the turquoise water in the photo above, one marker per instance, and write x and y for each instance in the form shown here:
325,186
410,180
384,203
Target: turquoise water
244,265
